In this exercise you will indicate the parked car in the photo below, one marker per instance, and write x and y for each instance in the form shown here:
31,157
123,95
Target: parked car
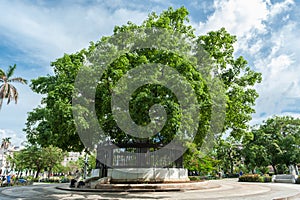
22,180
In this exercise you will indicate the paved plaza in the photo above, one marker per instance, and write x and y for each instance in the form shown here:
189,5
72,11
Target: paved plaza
216,189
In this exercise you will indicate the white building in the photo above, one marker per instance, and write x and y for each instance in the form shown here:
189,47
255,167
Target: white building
72,157
4,154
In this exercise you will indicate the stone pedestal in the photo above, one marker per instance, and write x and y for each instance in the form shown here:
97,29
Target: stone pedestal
148,175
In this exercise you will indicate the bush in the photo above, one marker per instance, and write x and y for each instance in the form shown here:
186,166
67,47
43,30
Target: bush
195,178
64,180
250,178
54,179
236,175
267,178
255,178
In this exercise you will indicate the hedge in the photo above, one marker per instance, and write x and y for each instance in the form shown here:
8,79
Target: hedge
255,178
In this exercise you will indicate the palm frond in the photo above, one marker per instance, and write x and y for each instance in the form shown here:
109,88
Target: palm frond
8,96
13,94
19,80
2,73
10,71
2,91
1,101
5,91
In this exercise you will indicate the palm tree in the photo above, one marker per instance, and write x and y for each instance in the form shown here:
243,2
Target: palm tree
7,90
5,143
4,146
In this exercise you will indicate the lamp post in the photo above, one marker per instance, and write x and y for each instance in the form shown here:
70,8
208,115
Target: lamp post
85,166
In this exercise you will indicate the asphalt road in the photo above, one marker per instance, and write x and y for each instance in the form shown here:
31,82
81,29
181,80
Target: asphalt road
229,189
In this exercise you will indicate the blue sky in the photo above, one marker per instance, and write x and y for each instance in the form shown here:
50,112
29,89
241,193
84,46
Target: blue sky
35,33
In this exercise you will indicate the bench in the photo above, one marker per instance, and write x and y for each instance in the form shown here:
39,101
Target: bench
284,178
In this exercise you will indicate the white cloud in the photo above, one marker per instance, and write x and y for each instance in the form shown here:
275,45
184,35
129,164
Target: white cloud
16,138
280,88
47,33
44,33
238,17
280,7
268,36
245,19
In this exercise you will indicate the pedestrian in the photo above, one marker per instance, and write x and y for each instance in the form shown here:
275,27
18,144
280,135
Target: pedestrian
241,173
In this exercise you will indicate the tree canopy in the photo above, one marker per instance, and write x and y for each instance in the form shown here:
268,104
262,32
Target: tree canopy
275,142
37,159
54,124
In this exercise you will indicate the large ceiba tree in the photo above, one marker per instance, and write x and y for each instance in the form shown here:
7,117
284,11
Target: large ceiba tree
53,123
7,89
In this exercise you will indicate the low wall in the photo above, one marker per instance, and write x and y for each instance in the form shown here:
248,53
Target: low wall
152,175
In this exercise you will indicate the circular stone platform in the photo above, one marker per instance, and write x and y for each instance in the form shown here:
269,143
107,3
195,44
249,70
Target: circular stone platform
147,175
151,187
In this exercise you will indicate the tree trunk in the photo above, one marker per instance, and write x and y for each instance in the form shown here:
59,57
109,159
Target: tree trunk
37,173
49,172
275,170
296,169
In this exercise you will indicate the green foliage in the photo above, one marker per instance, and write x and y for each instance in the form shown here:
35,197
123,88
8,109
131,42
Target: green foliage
195,160
91,164
53,156
37,159
238,80
195,178
254,178
228,152
275,142
53,123
73,166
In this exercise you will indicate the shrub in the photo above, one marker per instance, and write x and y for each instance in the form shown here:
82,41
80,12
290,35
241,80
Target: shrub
195,178
250,178
54,179
236,175
255,178
64,180
267,178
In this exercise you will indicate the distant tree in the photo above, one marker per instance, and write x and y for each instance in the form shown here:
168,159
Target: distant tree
17,162
7,89
275,142
228,152
37,159
33,159
52,156
254,151
4,146
195,160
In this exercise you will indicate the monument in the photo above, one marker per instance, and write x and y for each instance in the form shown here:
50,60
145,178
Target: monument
122,167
